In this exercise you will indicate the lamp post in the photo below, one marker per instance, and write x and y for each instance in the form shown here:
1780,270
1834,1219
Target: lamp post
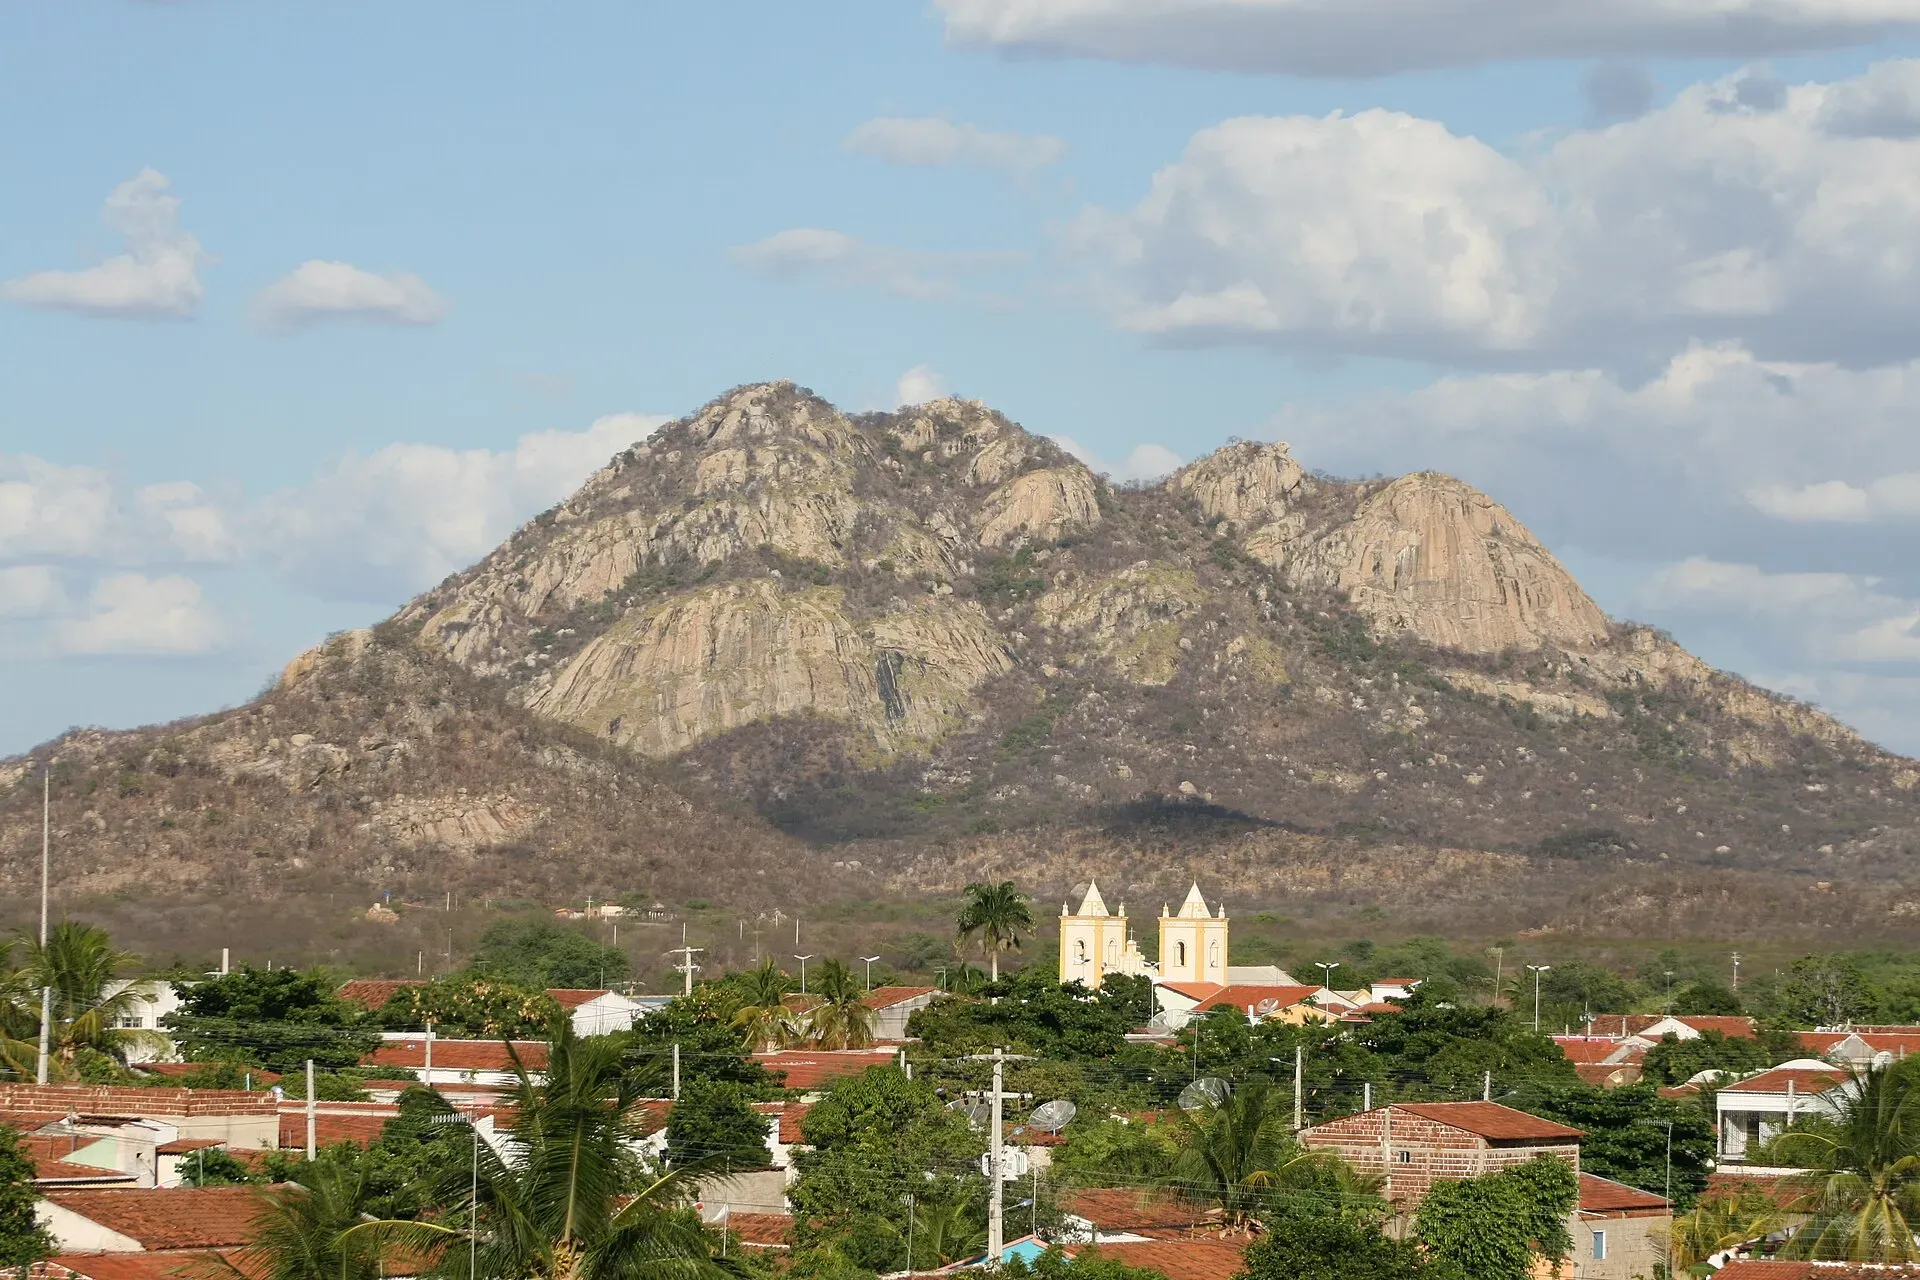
1326,968
1537,970
473,1201
803,972
1736,973
868,961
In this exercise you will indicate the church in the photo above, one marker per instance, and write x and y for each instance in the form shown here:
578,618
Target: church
1095,942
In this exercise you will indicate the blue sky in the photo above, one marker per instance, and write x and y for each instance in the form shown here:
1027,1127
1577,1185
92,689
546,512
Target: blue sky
479,230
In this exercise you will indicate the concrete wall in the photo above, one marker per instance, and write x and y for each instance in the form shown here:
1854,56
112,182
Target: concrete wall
244,1121
1636,1245
74,1234
750,1191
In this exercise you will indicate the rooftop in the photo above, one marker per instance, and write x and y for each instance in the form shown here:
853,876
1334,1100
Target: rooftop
173,1218
186,1264
1127,1209
1177,1259
806,1068
1802,1079
1603,1195
373,993
459,1055
574,997
887,997
1491,1120
761,1230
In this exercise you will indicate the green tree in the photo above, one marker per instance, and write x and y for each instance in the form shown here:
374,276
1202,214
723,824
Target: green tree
1676,1061
1625,1135
91,996
22,1239
1241,1152
473,1007
714,1120
1447,1047
1068,1023
1114,1152
1576,987
842,1019
1862,1196
1495,1226
764,1019
214,1167
710,1049
1717,1223
273,1018
1827,990
541,955
1305,1245
1707,997
1129,995
302,1230
997,915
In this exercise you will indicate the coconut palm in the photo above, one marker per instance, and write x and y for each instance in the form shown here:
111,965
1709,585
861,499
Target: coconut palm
996,914
961,979
1862,1193
1241,1154
765,1019
949,1232
90,996
566,1197
301,1231
842,1019
1724,1222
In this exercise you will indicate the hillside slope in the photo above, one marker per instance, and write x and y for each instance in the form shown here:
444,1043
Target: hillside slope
931,645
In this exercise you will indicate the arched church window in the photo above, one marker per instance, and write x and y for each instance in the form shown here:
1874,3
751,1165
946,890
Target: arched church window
1080,949
1113,951
1180,953
1213,953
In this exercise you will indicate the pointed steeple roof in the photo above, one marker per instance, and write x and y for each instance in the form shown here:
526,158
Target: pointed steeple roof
1093,904
1195,907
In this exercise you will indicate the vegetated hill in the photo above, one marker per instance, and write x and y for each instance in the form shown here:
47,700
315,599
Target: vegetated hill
931,647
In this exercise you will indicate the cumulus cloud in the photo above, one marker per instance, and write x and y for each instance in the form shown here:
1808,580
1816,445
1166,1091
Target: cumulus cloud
157,277
930,140
917,386
317,290
1143,461
30,591
380,527
850,262
1377,37
129,614
48,510
1784,217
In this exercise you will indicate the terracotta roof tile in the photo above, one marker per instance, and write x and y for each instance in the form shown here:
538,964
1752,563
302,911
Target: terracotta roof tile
1177,1259
458,1055
1586,1048
1491,1120
806,1069
1608,1075
1770,1269
174,1218
1603,1195
373,993
887,997
1805,1080
1782,1191
761,1230
182,1264
328,1128
574,997
1126,1209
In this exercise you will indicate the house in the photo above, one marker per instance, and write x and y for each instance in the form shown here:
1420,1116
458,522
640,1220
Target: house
1183,1258
1602,1060
240,1120
1412,1145
172,1264
372,994
152,1000
892,1006
1753,1109
1653,1027
596,1012
1862,1047
1259,975
1181,1002
72,1162
147,1221
809,1069
434,1061
1618,1232
1114,1215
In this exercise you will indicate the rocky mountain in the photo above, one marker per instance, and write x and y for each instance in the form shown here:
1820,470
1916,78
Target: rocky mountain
912,648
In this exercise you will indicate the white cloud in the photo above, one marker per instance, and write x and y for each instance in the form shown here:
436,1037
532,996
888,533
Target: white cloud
157,276
849,261
930,140
392,523
917,386
317,290
30,591
128,614
1887,497
64,512
1784,217
1143,461
1373,37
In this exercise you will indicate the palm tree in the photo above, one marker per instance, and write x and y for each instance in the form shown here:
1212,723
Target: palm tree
90,1000
997,914
1241,1153
301,1230
1722,1223
842,1019
764,1019
567,1198
1862,1193
948,1232
961,979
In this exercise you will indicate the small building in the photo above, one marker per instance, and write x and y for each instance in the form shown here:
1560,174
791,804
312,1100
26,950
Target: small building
1412,1145
892,1006
811,1070
240,1120
1618,1232
176,1218
436,1062
1181,1002
597,1011
1193,941
152,1000
1751,1110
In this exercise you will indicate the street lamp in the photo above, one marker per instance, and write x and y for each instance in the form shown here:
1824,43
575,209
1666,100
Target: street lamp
1326,968
1537,970
868,961
803,972
1736,973
473,1201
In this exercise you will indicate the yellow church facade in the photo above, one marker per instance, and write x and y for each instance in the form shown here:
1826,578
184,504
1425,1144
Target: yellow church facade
1095,942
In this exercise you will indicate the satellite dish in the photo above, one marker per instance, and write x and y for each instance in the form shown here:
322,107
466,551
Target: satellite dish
1267,1006
979,1114
1052,1117
1882,1059
1207,1091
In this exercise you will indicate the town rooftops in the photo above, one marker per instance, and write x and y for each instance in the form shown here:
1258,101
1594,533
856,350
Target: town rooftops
459,1055
808,1068
760,1230
1245,996
1777,1269
373,993
1186,1259
174,1218
191,1264
1117,1210
1603,1195
1491,1120
574,997
887,997
1802,1076
1621,1025
51,1168
108,1100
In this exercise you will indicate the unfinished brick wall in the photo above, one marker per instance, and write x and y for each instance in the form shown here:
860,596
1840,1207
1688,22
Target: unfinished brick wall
1412,1152
107,1100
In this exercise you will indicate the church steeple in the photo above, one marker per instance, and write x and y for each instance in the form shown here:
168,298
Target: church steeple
1093,904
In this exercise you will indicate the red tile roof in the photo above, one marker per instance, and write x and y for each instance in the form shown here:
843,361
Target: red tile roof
1242,996
1492,1121
183,1264
50,1166
183,1146
1783,1191
1621,1025
458,1055
1177,1259
887,997
761,1230
1603,1075
806,1069
373,993
1897,1043
328,1128
1586,1048
1603,1195
262,1078
1126,1209
790,1118
1776,1269
574,997
174,1218
1803,1079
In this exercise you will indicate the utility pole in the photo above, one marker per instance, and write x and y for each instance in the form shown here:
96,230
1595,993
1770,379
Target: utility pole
676,1070
1499,966
686,965
1537,970
803,971
1486,1087
996,1192
1299,1097
1736,973
312,1147
46,969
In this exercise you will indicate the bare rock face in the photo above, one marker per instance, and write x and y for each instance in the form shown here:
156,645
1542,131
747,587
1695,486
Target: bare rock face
1040,506
1432,556
724,657
1132,619
1249,483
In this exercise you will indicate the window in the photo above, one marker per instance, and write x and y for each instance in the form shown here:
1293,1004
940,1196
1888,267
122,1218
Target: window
1180,953
1113,951
1599,1246
1213,953
1403,1157
1080,950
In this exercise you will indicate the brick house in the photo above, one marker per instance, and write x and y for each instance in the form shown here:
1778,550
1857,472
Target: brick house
1412,1145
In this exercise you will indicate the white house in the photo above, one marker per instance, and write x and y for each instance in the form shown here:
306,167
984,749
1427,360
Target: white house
152,1001
1752,1110
597,1012
892,1006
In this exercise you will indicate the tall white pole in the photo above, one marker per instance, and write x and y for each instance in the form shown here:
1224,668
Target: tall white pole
312,1148
46,970
996,1193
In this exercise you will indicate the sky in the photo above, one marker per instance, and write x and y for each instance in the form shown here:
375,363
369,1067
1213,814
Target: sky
304,307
